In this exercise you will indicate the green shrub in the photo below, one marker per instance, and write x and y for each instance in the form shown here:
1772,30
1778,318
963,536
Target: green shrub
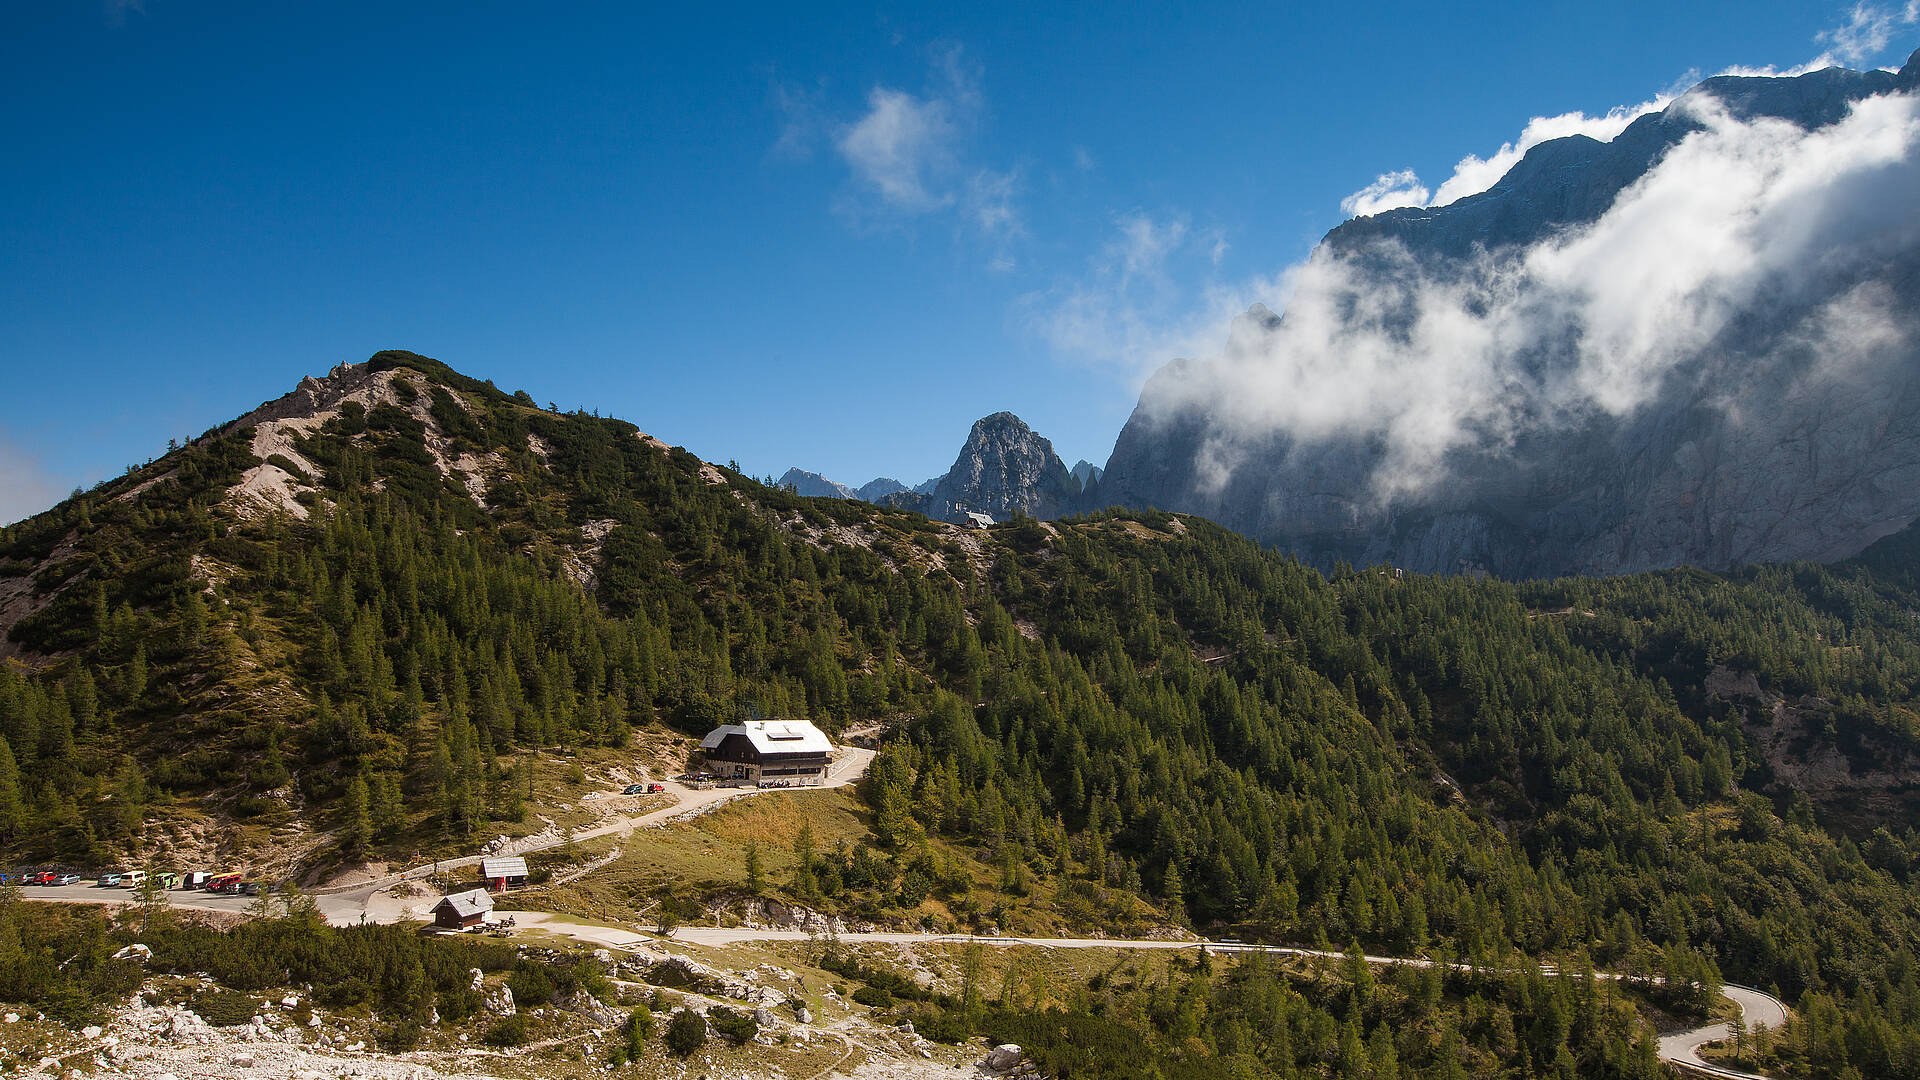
686,1032
509,1031
400,1037
532,987
223,1008
737,1027
286,464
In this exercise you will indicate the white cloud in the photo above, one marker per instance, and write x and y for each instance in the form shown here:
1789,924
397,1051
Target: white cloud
1862,39
800,124
1144,244
26,488
990,202
912,154
898,146
1389,191
1867,32
1130,310
1739,221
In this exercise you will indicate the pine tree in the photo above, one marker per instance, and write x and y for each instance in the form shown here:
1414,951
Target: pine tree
356,824
13,809
804,882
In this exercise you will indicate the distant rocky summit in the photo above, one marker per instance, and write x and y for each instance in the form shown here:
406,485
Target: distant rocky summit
814,486
1087,475
875,490
1506,385
1004,468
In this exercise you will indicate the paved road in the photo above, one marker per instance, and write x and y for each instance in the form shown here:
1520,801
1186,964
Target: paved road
1756,1009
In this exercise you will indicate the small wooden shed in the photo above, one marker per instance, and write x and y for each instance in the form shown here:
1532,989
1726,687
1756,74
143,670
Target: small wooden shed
461,910
502,872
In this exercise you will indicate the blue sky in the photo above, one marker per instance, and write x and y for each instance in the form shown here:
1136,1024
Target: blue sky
788,236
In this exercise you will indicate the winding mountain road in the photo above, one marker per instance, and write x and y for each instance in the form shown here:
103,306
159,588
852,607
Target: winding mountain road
371,902
1756,1009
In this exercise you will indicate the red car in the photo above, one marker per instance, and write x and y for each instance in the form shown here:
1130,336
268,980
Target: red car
655,789
44,877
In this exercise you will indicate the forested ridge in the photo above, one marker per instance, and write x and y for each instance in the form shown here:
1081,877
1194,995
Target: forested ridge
1127,705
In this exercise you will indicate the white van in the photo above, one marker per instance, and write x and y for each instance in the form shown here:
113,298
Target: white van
133,879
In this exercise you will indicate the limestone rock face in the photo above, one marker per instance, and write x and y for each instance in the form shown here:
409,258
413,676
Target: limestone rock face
1763,441
1005,468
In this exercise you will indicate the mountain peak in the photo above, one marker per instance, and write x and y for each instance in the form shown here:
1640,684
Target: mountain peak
1005,468
814,486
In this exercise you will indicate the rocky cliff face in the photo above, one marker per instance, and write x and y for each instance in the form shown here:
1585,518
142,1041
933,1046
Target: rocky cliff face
1771,413
1005,468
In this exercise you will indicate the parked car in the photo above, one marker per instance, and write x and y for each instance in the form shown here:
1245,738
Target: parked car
633,789
67,879
110,879
194,879
249,888
655,789
219,882
167,879
133,879
40,877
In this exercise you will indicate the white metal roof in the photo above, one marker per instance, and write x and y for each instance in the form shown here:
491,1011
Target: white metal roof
467,904
774,736
503,866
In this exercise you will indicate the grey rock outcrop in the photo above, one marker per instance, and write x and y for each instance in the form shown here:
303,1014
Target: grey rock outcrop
1750,449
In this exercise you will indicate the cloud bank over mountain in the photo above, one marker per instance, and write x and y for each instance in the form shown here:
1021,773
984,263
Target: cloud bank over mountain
1429,357
1749,246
